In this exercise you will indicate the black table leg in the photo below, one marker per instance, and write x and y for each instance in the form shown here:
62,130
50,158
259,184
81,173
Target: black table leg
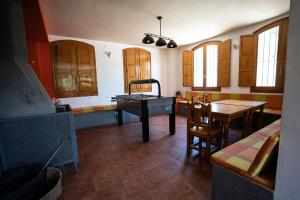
145,121
172,118
120,117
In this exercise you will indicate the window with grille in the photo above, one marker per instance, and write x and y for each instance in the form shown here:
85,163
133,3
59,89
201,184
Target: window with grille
270,57
267,52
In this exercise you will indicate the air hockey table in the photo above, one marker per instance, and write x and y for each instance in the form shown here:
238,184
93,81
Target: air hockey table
146,106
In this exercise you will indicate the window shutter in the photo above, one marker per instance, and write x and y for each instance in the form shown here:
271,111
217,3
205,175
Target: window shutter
86,69
188,69
224,59
247,69
282,54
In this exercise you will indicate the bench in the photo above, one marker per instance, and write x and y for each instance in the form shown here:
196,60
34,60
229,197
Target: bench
248,165
92,116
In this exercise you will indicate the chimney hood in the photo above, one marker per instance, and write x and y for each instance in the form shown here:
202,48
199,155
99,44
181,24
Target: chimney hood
21,92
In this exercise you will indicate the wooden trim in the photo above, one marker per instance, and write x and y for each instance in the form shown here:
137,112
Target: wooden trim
265,89
136,48
206,88
215,42
272,24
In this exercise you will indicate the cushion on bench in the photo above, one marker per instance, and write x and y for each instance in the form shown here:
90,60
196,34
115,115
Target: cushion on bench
249,156
84,110
264,155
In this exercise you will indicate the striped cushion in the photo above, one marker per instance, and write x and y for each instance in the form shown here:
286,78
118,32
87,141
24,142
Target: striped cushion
264,155
239,156
83,110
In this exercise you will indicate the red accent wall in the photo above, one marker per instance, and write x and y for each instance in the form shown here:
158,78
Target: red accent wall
38,46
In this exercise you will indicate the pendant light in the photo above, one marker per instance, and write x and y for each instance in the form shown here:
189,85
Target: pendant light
148,39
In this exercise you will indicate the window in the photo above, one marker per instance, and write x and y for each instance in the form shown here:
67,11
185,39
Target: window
137,66
263,58
267,57
206,66
74,68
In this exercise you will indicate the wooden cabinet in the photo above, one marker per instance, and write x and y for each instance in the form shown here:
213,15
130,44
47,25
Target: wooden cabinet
137,66
74,68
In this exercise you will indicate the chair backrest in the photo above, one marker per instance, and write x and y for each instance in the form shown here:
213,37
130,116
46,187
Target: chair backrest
200,114
200,99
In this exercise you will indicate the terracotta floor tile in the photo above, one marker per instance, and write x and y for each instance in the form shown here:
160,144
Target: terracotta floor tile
115,164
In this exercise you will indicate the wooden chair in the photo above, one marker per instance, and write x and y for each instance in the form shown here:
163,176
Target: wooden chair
200,124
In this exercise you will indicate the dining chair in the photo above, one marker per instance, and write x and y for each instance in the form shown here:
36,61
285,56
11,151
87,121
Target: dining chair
200,125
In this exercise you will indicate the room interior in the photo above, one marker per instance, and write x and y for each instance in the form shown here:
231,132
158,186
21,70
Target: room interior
149,100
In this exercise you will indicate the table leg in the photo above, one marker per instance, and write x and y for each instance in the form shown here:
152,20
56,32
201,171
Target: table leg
226,133
246,124
172,123
251,112
260,119
145,121
120,117
172,119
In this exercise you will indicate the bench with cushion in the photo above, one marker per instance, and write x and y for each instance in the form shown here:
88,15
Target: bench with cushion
86,117
248,165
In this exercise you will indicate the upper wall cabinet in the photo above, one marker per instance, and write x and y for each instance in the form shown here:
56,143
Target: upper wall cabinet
137,66
74,68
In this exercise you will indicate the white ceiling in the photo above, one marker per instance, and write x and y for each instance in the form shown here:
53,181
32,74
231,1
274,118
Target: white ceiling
125,21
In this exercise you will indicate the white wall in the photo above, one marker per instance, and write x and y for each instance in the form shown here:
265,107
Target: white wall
288,168
110,72
235,37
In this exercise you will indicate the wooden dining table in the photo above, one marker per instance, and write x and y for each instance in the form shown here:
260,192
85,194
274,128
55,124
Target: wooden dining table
226,113
253,105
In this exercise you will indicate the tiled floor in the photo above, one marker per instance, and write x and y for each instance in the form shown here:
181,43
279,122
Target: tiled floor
115,164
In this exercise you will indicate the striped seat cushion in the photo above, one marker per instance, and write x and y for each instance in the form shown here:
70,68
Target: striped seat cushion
84,110
239,156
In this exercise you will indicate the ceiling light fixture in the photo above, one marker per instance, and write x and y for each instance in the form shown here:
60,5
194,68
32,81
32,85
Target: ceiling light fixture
148,39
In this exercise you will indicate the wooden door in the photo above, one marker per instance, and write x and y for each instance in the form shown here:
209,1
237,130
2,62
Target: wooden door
86,71
144,69
64,63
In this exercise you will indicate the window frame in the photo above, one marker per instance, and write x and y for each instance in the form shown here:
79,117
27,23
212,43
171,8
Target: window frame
204,88
266,89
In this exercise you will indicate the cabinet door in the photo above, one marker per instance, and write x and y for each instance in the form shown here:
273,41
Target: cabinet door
145,70
64,63
130,57
86,71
